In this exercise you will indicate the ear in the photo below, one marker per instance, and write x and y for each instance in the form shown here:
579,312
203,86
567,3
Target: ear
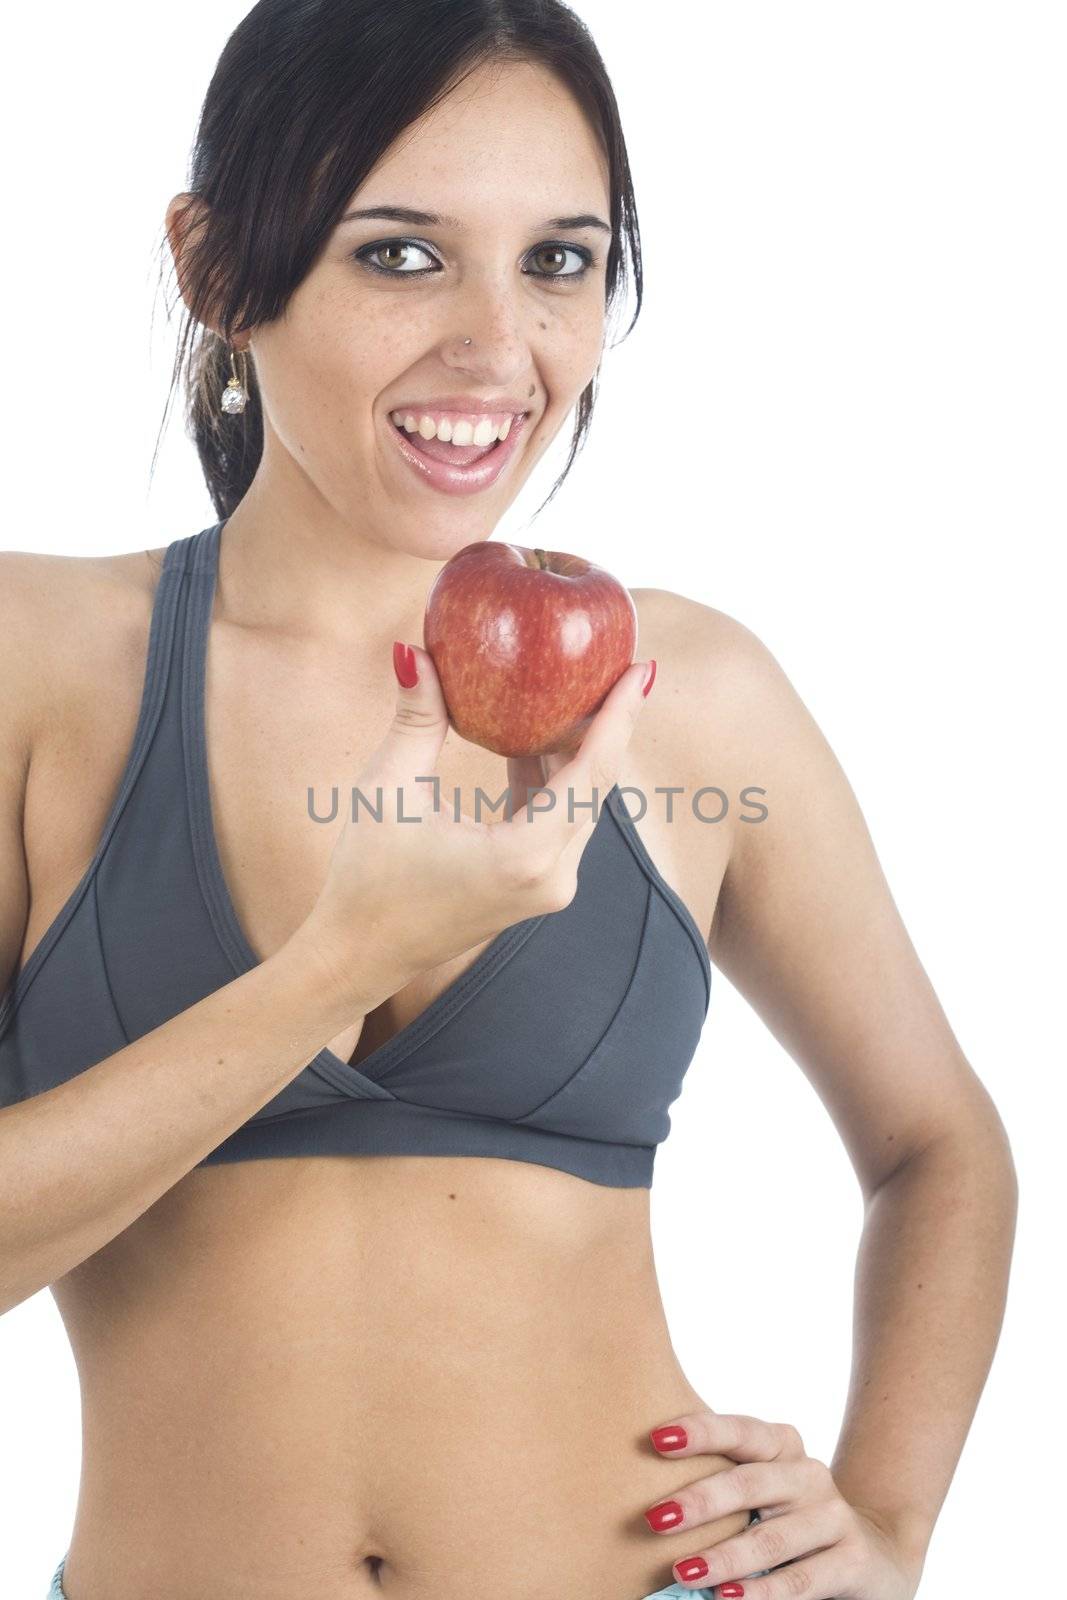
187,216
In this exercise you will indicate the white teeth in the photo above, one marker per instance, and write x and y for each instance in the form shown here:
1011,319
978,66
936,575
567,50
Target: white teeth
462,431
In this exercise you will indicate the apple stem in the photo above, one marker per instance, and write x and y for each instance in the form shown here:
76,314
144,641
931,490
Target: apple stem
542,559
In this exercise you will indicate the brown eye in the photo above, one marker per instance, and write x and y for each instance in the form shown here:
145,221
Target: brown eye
555,252
395,254
554,255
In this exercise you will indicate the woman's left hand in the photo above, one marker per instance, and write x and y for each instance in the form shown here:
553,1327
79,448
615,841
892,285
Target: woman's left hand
827,1549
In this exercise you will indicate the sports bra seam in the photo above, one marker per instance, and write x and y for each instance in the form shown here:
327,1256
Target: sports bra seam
628,829
505,1122
424,1027
632,1153
205,553
197,780
104,965
357,1086
153,695
604,1032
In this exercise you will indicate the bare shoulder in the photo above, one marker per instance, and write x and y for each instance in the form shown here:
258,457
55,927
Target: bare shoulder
701,637
721,680
64,619
737,722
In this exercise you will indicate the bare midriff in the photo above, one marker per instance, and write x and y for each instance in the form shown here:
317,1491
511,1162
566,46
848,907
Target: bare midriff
323,1378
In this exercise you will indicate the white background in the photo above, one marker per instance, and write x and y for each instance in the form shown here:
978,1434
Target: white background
840,419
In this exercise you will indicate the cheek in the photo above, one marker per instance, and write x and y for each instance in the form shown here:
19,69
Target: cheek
350,342
571,342
375,348
319,380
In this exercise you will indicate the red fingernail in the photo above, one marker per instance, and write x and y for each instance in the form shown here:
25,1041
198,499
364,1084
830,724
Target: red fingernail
669,1438
407,673
696,1567
651,679
668,1514
731,1591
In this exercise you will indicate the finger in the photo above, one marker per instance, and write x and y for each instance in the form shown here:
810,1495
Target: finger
420,723
748,1487
582,783
727,1434
818,1575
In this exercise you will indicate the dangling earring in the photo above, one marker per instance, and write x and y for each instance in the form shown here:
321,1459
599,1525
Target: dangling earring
235,394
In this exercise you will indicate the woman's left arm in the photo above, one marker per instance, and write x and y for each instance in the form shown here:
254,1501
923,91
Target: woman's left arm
807,930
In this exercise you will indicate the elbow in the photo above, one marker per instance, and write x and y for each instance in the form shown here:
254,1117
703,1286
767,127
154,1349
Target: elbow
975,1137
997,1154
979,1144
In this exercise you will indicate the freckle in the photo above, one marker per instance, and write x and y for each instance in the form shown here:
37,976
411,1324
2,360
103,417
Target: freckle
544,325
890,1137
220,1061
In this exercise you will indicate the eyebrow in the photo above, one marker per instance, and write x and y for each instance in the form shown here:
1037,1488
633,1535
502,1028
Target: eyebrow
430,219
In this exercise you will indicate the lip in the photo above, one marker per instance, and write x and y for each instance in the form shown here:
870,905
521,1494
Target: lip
459,480
461,403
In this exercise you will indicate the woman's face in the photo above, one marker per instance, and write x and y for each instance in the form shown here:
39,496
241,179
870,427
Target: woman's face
369,334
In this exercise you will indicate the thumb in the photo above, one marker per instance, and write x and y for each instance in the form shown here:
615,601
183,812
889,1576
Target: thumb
420,720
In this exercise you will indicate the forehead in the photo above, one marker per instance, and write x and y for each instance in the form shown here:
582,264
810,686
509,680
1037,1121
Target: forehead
510,139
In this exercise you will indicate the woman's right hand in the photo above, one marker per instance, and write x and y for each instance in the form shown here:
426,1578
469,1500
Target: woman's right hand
403,896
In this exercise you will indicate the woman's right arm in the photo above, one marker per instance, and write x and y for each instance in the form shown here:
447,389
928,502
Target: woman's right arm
81,1161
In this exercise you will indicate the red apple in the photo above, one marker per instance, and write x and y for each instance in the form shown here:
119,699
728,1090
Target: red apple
526,644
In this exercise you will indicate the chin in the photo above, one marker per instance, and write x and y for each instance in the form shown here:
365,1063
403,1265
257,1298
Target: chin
438,539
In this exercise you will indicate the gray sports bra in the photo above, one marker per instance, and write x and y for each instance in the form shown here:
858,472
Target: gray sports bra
563,1044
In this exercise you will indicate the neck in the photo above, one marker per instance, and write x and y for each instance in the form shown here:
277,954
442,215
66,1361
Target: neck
318,577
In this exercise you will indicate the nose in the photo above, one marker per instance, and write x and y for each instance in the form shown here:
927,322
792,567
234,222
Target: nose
499,348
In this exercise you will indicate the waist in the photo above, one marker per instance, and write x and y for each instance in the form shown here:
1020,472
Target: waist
423,1477
446,1389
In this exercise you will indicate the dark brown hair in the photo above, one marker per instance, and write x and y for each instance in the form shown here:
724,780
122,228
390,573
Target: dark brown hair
307,96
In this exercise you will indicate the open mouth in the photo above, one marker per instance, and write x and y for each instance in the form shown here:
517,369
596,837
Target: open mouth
452,455
459,469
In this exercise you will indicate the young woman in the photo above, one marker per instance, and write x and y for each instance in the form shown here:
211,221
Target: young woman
334,1143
